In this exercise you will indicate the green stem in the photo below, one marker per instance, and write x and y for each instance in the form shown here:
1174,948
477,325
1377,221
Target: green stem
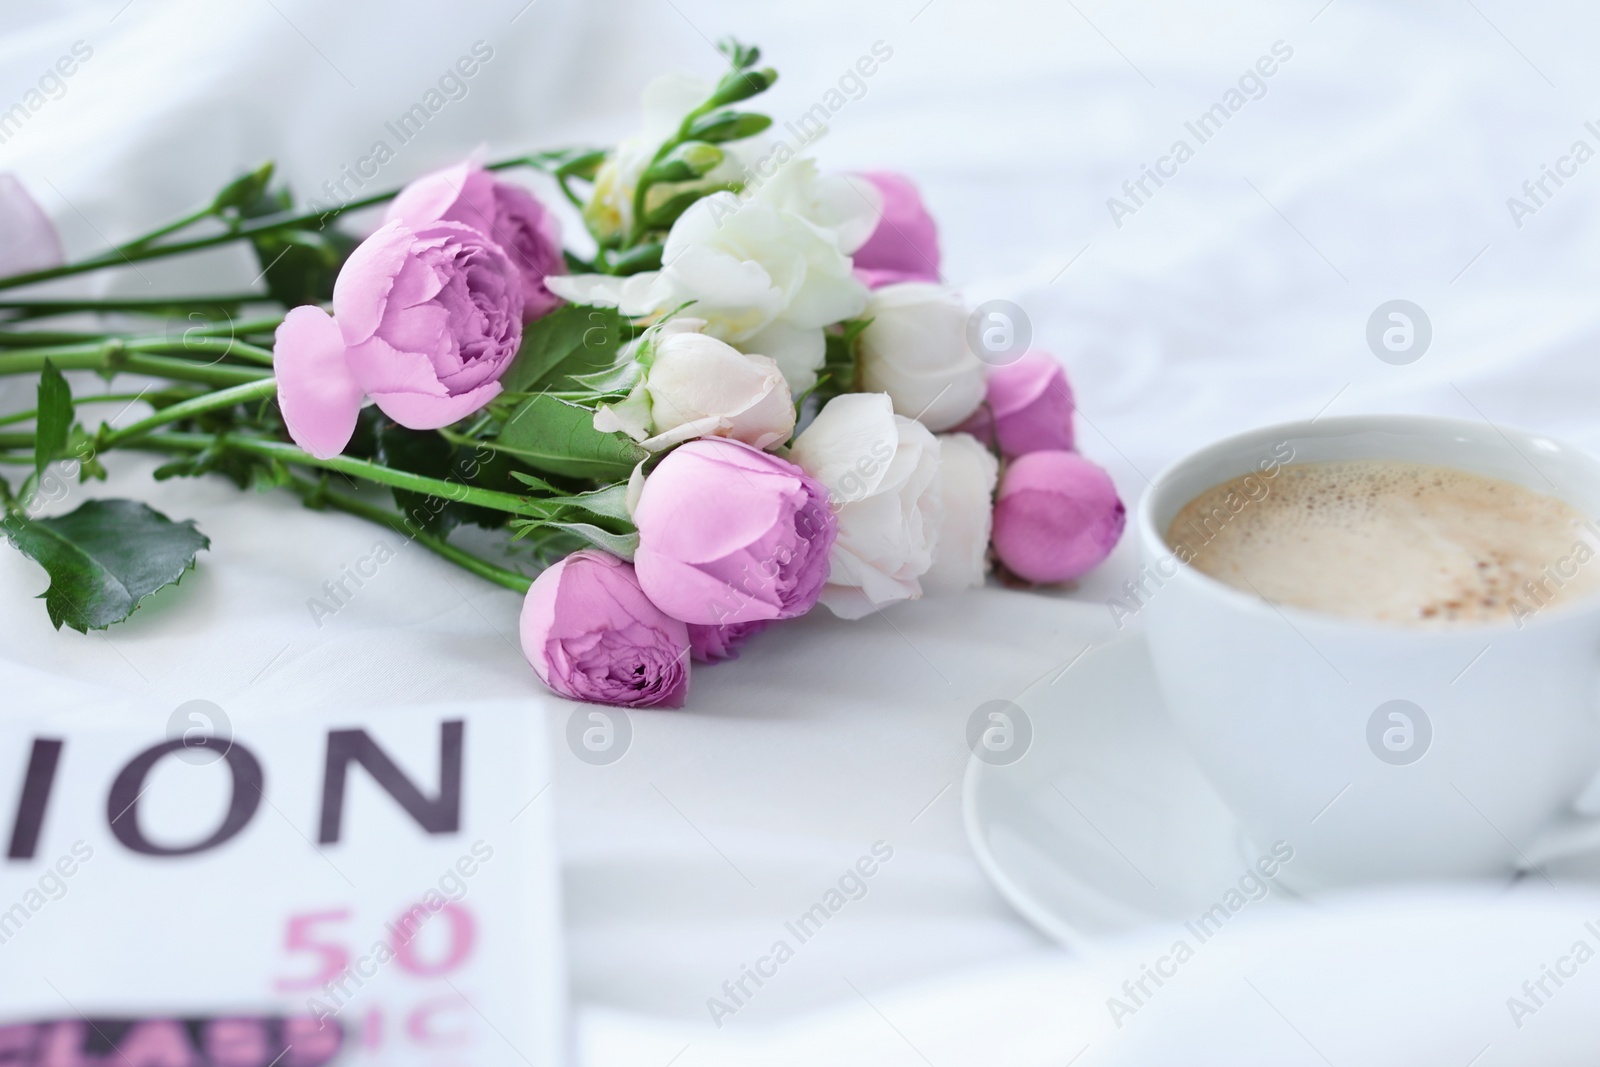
244,328
47,338
314,494
188,409
80,401
20,416
252,228
638,230
172,227
131,357
356,468
216,347
42,308
264,324
183,370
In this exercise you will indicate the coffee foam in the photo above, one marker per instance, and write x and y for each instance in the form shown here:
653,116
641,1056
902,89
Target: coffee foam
1391,541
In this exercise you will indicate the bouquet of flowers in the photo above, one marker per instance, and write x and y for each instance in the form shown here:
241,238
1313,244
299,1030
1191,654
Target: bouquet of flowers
747,393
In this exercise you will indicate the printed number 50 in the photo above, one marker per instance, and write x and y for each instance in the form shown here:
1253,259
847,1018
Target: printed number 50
333,957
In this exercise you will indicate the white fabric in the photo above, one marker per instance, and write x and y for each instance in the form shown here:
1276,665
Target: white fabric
1376,166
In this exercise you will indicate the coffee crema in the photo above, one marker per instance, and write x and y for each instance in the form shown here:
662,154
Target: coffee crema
1391,541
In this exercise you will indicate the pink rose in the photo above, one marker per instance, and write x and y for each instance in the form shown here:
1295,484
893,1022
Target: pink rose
712,644
905,246
28,239
1028,407
424,322
507,214
1058,516
730,534
591,634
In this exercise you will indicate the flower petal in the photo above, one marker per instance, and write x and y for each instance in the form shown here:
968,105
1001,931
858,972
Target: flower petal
382,368
361,291
422,411
28,239
317,393
463,193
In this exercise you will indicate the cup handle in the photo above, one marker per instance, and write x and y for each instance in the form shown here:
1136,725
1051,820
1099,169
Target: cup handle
1570,834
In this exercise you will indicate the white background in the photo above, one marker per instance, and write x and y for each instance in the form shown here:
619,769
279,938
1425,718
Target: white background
1377,166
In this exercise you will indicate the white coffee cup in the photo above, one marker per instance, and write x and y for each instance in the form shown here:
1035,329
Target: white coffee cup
1381,752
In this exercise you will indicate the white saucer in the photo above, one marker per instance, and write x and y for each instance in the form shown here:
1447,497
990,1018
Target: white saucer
1105,824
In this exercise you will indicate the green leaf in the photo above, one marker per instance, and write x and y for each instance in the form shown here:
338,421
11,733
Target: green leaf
420,452
614,381
244,190
535,483
571,340
549,434
622,546
104,558
642,258
854,328
53,425
300,265
842,355
608,503
81,447
427,453
241,468
664,214
546,545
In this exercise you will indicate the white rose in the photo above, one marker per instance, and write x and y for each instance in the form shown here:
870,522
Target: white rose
697,386
765,279
967,474
916,351
882,472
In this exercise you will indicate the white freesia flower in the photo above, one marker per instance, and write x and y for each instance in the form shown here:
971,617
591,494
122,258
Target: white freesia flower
666,101
848,205
967,475
916,351
882,472
760,272
697,386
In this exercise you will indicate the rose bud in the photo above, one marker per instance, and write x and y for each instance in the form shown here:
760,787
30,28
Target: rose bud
905,245
916,351
591,634
698,386
1058,516
505,213
967,473
882,471
712,644
28,239
731,534
424,321
1028,409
